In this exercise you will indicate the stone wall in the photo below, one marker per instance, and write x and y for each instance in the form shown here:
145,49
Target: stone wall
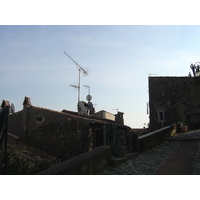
151,139
89,163
121,143
175,99
115,136
55,132
50,131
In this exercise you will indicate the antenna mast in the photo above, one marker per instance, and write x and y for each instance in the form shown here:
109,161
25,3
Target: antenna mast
87,86
116,109
81,70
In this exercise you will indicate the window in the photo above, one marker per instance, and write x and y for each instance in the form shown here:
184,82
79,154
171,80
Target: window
160,115
39,119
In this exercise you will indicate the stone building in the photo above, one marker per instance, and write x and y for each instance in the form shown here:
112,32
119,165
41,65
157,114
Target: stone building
56,132
118,118
173,100
104,114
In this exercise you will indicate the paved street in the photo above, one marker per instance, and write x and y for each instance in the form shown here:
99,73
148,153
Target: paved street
151,161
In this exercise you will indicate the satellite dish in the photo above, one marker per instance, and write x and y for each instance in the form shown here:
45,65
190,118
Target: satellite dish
89,97
12,108
82,109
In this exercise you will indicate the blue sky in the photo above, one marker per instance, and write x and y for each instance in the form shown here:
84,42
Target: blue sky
118,58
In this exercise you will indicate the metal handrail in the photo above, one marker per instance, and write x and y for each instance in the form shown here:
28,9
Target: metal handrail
65,155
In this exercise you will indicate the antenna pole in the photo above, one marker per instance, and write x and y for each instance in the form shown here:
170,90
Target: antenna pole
81,70
79,86
77,65
87,86
79,90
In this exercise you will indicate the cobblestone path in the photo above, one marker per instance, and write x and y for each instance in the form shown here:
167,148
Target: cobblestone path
148,162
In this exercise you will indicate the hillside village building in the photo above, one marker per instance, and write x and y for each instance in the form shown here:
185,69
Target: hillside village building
56,132
118,118
105,115
173,100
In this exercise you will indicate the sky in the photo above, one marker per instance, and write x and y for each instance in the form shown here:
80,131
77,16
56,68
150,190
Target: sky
119,59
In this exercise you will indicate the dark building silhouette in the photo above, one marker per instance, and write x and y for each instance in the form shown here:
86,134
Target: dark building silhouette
54,132
173,100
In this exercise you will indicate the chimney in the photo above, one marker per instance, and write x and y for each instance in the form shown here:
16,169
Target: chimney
5,103
119,118
26,104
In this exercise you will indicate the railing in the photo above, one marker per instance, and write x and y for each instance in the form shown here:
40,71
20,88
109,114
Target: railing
105,135
151,139
153,133
81,146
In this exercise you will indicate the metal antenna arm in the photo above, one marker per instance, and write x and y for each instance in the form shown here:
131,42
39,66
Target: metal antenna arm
75,86
82,70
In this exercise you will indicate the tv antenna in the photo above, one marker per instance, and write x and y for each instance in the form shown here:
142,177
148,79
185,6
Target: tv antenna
87,86
94,104
152,74
80,70
116,109
75,86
